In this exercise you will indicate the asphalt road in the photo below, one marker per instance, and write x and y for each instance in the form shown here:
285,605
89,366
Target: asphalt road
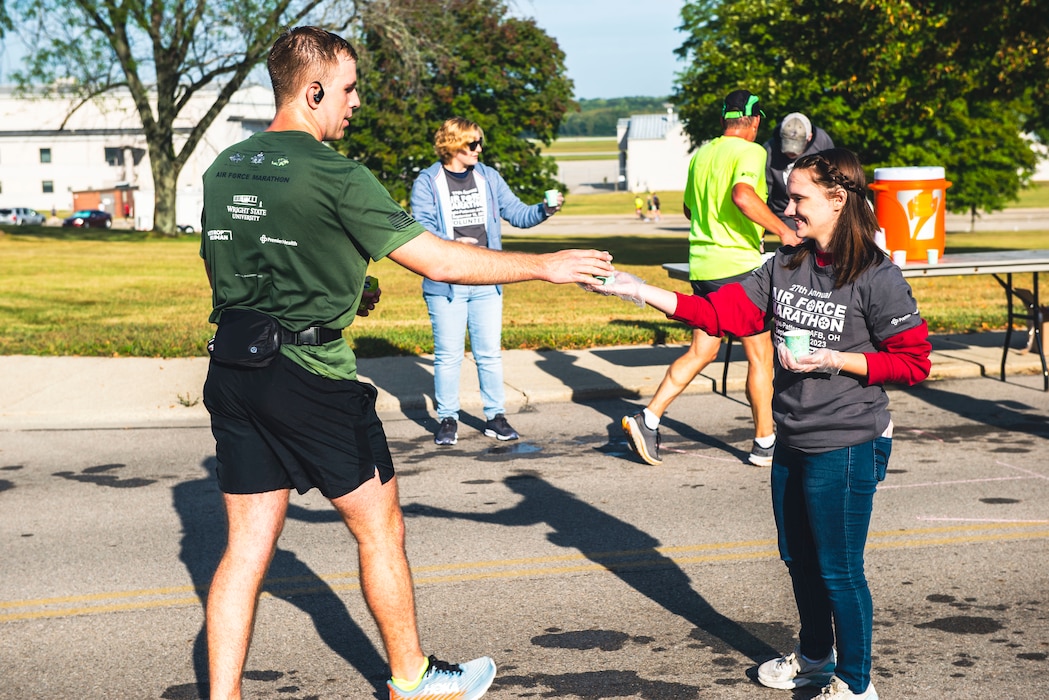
584,573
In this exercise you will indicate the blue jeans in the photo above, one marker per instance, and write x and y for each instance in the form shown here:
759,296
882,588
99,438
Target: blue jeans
822,503
478,308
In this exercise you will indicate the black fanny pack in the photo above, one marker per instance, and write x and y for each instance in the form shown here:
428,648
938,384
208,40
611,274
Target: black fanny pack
249,338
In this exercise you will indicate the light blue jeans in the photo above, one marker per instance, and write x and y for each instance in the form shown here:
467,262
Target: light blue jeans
823,503
478,308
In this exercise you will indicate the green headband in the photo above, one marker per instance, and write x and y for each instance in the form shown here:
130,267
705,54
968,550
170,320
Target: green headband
747,111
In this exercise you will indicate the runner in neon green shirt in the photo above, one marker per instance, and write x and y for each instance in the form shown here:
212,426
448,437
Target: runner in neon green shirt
725,204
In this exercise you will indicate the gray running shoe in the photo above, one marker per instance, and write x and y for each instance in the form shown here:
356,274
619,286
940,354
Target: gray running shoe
761,456
793,671
642,440
500,429
448,433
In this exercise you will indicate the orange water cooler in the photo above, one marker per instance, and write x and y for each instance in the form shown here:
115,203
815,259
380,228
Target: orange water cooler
910,204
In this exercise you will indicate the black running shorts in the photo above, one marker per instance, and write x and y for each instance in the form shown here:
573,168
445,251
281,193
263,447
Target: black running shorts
281,426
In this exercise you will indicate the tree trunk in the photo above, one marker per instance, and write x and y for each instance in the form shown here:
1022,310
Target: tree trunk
165,177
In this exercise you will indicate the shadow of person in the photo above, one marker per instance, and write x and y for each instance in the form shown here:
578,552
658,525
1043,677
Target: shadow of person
410,383
1007,416
589,385
622,549
198,503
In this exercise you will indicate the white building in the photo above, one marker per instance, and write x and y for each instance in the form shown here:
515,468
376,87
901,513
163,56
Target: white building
46,154
653,152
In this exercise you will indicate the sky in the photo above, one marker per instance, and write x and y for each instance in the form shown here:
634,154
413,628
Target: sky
613,48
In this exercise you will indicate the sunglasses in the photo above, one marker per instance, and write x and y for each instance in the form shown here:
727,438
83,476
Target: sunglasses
474,145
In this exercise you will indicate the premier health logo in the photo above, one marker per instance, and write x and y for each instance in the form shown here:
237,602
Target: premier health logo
282,241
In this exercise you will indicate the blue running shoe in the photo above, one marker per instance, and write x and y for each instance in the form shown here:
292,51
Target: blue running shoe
445,681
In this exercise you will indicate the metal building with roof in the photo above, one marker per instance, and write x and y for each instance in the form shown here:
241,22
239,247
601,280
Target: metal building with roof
654,152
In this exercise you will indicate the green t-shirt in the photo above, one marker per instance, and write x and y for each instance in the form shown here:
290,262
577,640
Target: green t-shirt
290,226
722,242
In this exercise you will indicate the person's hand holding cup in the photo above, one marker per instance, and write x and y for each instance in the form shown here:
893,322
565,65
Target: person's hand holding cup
369,296
553,200
798,342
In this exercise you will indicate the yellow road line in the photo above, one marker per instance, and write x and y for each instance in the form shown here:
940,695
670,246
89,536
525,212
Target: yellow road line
525,567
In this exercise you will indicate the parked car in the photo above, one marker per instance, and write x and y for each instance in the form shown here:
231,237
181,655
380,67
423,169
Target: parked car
89,218
21,216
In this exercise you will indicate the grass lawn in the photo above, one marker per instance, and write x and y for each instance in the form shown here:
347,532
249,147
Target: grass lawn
133,294
616,203
1035,196
608,145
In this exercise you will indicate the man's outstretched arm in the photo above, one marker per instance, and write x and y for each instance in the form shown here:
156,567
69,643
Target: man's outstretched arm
447,261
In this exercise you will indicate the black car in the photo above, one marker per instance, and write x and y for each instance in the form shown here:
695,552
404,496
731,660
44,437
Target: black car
89,218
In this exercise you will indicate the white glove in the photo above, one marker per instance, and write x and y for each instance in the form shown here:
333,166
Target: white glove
620,284
822,360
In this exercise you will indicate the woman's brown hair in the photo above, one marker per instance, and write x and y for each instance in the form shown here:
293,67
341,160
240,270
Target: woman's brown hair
852,243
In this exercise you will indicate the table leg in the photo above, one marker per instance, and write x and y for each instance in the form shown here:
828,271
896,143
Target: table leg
1036,317
1039,341
1008,285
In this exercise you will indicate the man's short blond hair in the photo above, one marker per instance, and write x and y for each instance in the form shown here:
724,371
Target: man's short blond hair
453,136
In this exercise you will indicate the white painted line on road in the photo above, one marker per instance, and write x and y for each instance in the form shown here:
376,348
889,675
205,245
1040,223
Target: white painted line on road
945,519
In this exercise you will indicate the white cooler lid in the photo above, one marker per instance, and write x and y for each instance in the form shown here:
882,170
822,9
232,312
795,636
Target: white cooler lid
920,172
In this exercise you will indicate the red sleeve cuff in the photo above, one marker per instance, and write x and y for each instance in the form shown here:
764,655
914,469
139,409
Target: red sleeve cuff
902,358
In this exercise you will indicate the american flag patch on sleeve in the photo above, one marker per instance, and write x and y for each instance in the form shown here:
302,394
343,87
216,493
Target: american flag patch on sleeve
400,220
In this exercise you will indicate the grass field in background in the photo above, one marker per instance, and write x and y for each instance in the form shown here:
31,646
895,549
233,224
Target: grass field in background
575,146
1035,196
133,294
616,203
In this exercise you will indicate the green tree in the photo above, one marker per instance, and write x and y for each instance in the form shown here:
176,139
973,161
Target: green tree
464,58
893,80
162,52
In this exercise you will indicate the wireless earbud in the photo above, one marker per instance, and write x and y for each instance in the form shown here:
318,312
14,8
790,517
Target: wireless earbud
319,95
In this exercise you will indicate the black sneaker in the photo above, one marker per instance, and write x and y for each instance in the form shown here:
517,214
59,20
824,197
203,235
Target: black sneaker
500,429
448,433
642,440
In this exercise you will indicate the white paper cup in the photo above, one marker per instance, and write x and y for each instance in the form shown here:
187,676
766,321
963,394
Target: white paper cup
899,257
879,239
797,342
933,255
551,198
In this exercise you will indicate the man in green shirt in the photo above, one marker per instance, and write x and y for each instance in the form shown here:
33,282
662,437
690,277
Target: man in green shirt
289,229
725,203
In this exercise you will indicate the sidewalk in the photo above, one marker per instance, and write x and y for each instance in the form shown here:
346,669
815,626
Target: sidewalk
41,393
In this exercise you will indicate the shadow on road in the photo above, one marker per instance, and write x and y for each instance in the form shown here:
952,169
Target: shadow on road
200,508
620,548
618,402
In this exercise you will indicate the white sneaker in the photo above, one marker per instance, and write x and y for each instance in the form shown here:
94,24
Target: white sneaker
838,689
793,671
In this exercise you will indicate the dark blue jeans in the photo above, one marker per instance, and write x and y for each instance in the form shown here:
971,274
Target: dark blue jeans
822,503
